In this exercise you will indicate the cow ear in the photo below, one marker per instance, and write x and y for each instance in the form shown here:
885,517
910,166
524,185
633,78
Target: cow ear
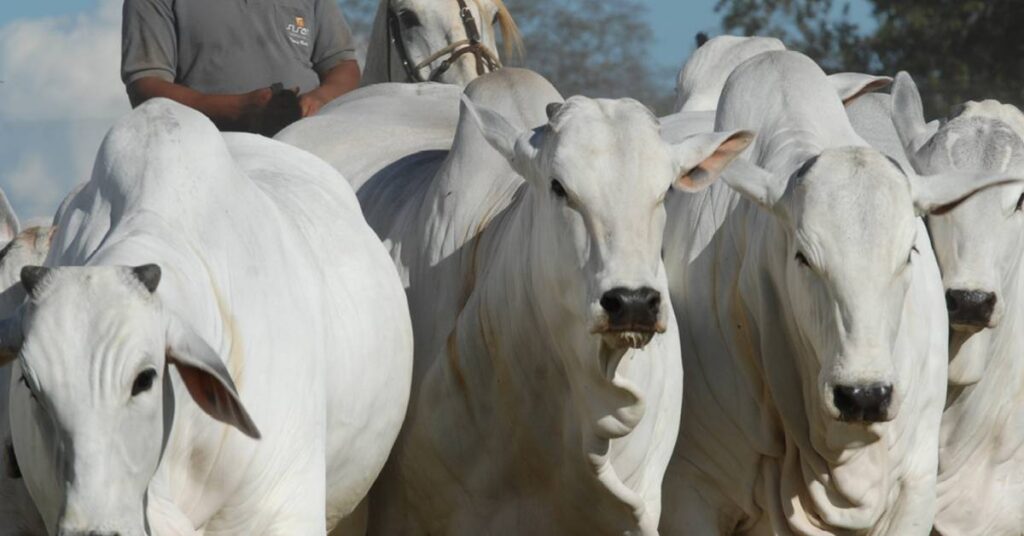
11,338
938,194
755,183
700,159
9,225
516,146
908,115
849,86
206,378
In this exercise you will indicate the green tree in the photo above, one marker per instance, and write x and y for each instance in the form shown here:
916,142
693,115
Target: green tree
956,50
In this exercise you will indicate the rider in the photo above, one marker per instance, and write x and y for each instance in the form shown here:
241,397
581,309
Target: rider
251,65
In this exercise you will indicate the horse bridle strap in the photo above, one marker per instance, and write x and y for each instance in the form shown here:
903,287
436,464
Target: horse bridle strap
486,60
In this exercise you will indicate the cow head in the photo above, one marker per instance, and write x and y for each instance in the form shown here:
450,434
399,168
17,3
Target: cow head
599,173
849,222
92,408
979,244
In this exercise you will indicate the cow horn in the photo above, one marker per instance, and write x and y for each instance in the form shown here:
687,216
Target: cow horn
31,276
148,275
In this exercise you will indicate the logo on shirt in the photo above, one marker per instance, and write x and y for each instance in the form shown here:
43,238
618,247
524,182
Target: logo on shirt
297,32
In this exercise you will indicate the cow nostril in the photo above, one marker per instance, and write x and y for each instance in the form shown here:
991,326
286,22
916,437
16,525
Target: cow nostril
611,302
632,309
970,307
867,403
951,303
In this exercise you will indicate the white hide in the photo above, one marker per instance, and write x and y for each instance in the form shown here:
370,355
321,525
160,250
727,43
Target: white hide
523,420
269,274
380,124
18,515
439,26
702,77
979,248
818,274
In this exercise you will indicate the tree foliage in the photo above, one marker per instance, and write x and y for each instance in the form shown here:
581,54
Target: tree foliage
956,50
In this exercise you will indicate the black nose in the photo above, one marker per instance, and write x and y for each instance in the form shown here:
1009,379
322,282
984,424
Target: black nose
862,403
632,309
970,307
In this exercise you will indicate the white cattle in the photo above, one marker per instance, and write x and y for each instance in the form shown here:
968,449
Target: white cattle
703,75
18,515
979,246
271,307
814,336
544,401
448,41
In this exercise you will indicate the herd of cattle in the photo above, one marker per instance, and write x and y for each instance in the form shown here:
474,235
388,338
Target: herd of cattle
437,309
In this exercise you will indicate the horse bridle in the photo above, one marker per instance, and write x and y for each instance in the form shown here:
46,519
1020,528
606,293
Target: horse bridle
486,60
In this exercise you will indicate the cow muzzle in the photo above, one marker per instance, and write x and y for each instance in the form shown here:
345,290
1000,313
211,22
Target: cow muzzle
970,310
632,317
863,403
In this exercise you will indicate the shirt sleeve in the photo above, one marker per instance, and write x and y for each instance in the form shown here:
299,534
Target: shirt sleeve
333,43
148,40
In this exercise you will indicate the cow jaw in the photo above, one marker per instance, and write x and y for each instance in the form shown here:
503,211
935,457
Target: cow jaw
615,404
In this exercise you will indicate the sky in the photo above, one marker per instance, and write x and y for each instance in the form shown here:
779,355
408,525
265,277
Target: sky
61,88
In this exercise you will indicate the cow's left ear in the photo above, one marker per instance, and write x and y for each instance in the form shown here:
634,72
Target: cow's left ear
205,376
849,86
701,158
941,193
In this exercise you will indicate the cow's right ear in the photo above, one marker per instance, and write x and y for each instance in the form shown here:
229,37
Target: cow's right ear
755,183
908,115
205,376
11,338
518,147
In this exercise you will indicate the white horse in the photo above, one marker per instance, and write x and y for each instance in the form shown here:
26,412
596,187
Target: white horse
448,41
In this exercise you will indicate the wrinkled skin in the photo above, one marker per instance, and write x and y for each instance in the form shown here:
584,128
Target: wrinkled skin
979,247
18,515
802,289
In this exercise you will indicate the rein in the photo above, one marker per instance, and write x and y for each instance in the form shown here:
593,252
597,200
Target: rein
486,60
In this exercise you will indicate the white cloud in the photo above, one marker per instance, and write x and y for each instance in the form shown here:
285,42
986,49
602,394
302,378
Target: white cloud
61,92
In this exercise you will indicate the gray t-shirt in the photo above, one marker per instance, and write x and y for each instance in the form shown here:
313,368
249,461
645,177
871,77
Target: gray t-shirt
233,46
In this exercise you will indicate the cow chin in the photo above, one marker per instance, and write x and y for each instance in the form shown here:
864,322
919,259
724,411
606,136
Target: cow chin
627,339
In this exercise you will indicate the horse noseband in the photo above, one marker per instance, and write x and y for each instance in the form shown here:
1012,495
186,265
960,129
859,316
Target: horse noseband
486,60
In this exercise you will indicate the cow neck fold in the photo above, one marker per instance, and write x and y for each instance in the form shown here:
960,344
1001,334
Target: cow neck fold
528,393
982,444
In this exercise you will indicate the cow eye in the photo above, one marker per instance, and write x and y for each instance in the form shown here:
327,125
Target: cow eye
409,18
910,256
558,189
495,19
143,382
1020,203
802,259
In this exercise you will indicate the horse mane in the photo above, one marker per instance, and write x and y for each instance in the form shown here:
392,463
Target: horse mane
512,39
